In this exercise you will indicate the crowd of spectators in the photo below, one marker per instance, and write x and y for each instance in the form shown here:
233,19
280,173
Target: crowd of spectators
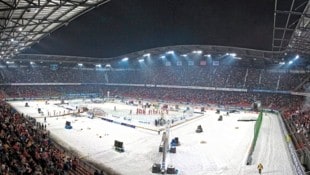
211,97
25,148
208,76
44,74
225,77
246,99
297,117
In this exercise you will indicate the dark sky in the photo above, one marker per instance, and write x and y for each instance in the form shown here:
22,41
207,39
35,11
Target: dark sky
124,26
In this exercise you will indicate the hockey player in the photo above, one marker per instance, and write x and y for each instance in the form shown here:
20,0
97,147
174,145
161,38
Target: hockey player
260,168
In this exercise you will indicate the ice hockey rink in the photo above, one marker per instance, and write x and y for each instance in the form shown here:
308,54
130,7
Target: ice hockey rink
221,149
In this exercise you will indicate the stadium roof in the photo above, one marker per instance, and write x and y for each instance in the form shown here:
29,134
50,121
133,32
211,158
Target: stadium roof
291,30
25,22
247,55
129,28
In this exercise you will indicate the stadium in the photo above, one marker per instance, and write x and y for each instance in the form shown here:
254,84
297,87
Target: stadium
177,103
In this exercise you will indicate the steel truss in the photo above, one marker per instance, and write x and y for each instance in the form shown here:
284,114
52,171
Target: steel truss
25,22
291,29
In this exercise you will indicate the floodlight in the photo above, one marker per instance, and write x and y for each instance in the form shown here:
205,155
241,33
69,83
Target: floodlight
233,54
297,56
207,55
147,55
197,51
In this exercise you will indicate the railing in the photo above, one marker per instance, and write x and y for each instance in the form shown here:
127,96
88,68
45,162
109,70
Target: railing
301,145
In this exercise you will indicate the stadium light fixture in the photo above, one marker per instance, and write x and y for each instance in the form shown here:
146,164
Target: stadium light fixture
125,59
98,65
208,55
233,54
298,32
20,29
184,55
80,64
170,52
163,57
9,62
296,57
281,62
147,55
141,60
31,62
290,62
12,39
197,52
108,65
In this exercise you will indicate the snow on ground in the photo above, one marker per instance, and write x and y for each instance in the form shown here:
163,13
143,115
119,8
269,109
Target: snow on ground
220,150
271,149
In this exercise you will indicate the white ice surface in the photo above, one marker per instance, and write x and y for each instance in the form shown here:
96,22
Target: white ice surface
224,152
271,149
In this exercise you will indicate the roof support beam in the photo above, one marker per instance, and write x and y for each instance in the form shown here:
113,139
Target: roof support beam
31,2
289,12
7,4
281,28
42,6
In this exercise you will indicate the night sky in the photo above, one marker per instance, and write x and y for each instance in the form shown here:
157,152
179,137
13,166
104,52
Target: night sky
124,26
